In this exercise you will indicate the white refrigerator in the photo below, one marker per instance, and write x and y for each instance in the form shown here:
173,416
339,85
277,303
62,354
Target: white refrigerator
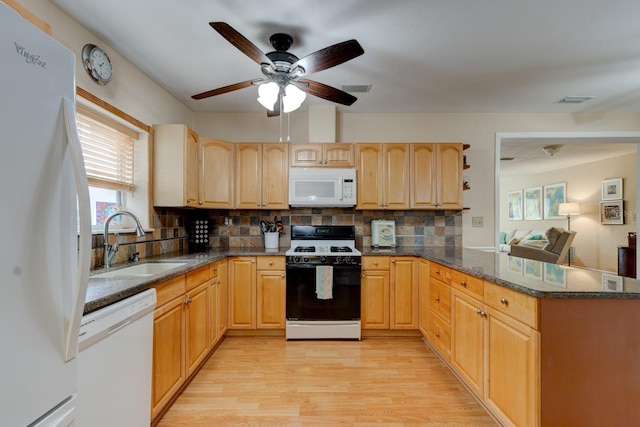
44,261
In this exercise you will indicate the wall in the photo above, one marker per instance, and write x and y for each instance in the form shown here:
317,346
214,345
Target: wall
478,130
595,244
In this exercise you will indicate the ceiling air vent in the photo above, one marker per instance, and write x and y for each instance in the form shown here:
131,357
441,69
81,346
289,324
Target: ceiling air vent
357,88
574,99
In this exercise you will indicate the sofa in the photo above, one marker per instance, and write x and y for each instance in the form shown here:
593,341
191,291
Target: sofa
526,237
552,247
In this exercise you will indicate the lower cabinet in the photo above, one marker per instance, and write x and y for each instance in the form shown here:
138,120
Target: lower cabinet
257,292
374,293
494,344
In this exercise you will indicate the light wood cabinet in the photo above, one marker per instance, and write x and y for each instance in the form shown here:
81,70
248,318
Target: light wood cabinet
403,293
168,365
468,323
423,292
223,321
215,173
383,176
196,308
262,176
242,293
375,299
436,176
175,166
332,155
271,292
439,323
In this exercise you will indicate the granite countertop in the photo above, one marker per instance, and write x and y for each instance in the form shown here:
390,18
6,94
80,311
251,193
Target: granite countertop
535,278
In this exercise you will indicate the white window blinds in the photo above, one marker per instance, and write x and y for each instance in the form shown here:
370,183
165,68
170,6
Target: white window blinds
107,147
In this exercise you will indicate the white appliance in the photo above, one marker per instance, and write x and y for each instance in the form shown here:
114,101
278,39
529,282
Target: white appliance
44,263
322,187
116,346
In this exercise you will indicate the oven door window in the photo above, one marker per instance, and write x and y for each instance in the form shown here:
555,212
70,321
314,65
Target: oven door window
303,303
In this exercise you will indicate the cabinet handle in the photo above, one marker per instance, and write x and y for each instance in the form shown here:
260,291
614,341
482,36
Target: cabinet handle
437,335
393,261
504,301
363,276
438,272
253,261
375,262
437,299
282,275
188,301
481,313
200,202
270,262
463,283
320,162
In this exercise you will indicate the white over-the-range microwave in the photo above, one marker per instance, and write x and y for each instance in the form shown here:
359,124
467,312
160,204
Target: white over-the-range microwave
322,187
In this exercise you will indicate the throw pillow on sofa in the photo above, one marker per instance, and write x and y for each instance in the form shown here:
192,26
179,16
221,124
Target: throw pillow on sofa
552,236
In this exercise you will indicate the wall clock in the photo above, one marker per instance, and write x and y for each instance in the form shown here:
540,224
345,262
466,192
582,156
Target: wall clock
97,64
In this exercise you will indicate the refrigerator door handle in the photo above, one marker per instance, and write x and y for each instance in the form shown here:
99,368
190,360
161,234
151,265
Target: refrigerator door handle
84,236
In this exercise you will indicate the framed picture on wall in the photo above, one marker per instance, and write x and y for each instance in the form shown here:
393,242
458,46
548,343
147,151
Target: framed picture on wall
612,212
611,283
533,203
514,200
554,194
612,189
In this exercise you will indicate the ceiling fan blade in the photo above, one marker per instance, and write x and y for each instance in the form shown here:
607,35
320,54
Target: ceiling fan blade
329,57
327,92
276,108
225,89
241,42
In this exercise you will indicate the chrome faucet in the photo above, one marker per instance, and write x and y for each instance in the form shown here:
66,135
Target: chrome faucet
110,250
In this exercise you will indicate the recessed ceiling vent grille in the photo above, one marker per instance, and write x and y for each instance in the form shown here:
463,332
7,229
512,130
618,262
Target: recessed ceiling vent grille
574,99
356,88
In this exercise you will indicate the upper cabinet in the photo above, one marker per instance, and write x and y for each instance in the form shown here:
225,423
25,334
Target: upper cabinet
175,166
262,176
331,155
436,176
215,173
383,176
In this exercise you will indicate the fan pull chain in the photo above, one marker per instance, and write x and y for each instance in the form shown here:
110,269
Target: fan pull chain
288,127
280,116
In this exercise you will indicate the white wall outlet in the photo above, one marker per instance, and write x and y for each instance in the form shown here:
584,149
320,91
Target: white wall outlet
477,221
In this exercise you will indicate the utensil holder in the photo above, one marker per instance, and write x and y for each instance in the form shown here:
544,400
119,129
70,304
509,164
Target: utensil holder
271,240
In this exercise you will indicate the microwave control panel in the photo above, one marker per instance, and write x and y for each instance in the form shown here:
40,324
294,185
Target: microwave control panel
347,189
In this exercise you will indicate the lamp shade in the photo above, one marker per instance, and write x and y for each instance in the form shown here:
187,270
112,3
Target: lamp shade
268,94
569,209
293,98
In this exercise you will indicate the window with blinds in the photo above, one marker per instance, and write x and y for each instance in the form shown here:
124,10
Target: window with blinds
107,147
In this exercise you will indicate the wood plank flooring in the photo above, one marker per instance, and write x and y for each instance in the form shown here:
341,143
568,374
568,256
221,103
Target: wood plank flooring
268,381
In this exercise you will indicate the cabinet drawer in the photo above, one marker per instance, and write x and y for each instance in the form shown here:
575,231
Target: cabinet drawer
440,335
197,277
467,284
375,263
169,290
440,272
440,299
270,263
519,306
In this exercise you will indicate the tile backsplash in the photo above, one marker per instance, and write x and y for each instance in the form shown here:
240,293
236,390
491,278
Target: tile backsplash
241,229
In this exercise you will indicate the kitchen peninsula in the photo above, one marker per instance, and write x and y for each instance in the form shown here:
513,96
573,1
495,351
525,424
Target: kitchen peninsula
582,329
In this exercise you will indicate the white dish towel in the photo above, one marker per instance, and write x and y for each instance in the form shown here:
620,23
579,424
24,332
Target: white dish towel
324,282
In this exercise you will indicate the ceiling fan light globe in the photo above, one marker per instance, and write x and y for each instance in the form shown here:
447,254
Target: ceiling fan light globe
268,95
293,99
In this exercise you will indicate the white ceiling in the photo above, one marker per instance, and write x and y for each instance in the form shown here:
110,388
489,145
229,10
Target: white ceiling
440,56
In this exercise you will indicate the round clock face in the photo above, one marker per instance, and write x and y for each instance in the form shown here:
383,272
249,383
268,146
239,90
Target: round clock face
97,64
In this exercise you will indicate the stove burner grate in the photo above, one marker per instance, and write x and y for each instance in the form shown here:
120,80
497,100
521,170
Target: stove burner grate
341,249
305,249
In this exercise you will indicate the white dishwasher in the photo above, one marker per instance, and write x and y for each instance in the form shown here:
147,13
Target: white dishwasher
114,364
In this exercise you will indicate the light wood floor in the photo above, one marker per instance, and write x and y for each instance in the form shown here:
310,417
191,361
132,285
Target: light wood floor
268,381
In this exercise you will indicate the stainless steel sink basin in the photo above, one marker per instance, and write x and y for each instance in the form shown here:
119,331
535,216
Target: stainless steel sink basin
140,270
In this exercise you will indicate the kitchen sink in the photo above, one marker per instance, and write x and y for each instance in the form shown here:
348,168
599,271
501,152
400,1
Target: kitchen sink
140,270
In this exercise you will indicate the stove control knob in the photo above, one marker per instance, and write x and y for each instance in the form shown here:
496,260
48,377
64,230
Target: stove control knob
305,259
296,259
323,259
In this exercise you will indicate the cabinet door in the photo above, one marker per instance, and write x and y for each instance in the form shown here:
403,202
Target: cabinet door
222,298
215,185
242,293
248,173
403,294
513,368
424,168
196,326
375,300
396,176
468,320
450,176
338,155
306,155
369,182
275,176
168,368
191,168
212,294
423,292
271,298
